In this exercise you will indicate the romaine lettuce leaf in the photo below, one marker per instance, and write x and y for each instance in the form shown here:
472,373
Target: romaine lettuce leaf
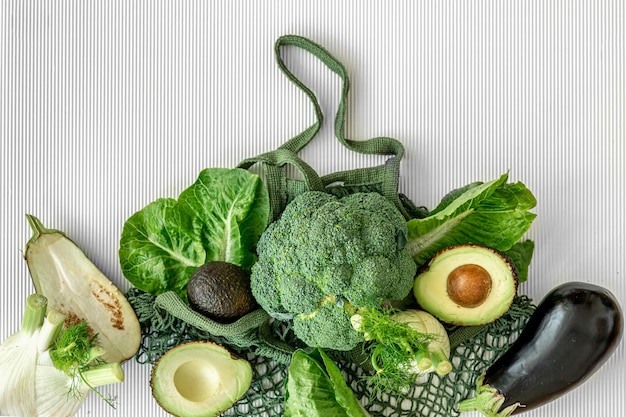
521,254
315,387
494,214
219,217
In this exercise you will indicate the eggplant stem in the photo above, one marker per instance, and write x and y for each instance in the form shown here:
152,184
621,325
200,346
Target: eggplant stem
38,228
487,401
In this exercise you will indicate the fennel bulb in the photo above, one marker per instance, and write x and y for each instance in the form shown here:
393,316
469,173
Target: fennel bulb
47,370
437,358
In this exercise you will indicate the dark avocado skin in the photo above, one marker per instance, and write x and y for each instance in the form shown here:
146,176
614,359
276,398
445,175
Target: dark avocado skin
574,330
220,291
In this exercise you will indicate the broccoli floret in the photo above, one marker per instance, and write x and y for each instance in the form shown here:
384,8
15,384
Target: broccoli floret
321,327
299,295
373,203
327,256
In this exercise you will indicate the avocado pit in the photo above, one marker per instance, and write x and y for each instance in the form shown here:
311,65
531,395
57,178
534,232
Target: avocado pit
469,285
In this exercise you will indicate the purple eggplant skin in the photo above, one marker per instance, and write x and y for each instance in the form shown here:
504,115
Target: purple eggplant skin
571,334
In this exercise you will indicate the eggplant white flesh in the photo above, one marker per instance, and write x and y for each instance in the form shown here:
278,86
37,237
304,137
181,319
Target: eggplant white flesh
74,286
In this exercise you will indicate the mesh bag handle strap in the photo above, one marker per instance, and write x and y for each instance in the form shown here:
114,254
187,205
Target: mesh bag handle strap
280,187
379,145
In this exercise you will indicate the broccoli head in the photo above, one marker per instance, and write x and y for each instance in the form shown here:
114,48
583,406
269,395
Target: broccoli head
326,257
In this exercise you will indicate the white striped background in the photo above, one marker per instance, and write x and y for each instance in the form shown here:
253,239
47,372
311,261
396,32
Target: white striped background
106,106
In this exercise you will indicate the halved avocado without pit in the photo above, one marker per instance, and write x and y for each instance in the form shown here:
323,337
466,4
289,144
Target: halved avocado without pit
199,379
467,285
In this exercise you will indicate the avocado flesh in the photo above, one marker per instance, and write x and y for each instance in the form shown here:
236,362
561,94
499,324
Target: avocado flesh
199,379
432,293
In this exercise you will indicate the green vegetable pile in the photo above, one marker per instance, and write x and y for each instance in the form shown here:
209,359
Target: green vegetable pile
332,264
328,274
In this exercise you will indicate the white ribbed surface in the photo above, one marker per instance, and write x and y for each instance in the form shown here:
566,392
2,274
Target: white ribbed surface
105,106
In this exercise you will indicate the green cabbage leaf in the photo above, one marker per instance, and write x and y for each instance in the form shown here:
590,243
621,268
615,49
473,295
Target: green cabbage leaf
218,218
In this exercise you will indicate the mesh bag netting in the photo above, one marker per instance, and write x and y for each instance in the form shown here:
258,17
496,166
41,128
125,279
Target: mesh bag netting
473,350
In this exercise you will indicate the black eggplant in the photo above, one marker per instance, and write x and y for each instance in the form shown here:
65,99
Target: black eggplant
573,331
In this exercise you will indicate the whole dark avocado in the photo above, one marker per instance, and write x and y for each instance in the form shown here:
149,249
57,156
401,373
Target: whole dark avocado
220,291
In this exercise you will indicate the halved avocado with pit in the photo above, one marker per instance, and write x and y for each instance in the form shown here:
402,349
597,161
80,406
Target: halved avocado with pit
199,379
467,285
